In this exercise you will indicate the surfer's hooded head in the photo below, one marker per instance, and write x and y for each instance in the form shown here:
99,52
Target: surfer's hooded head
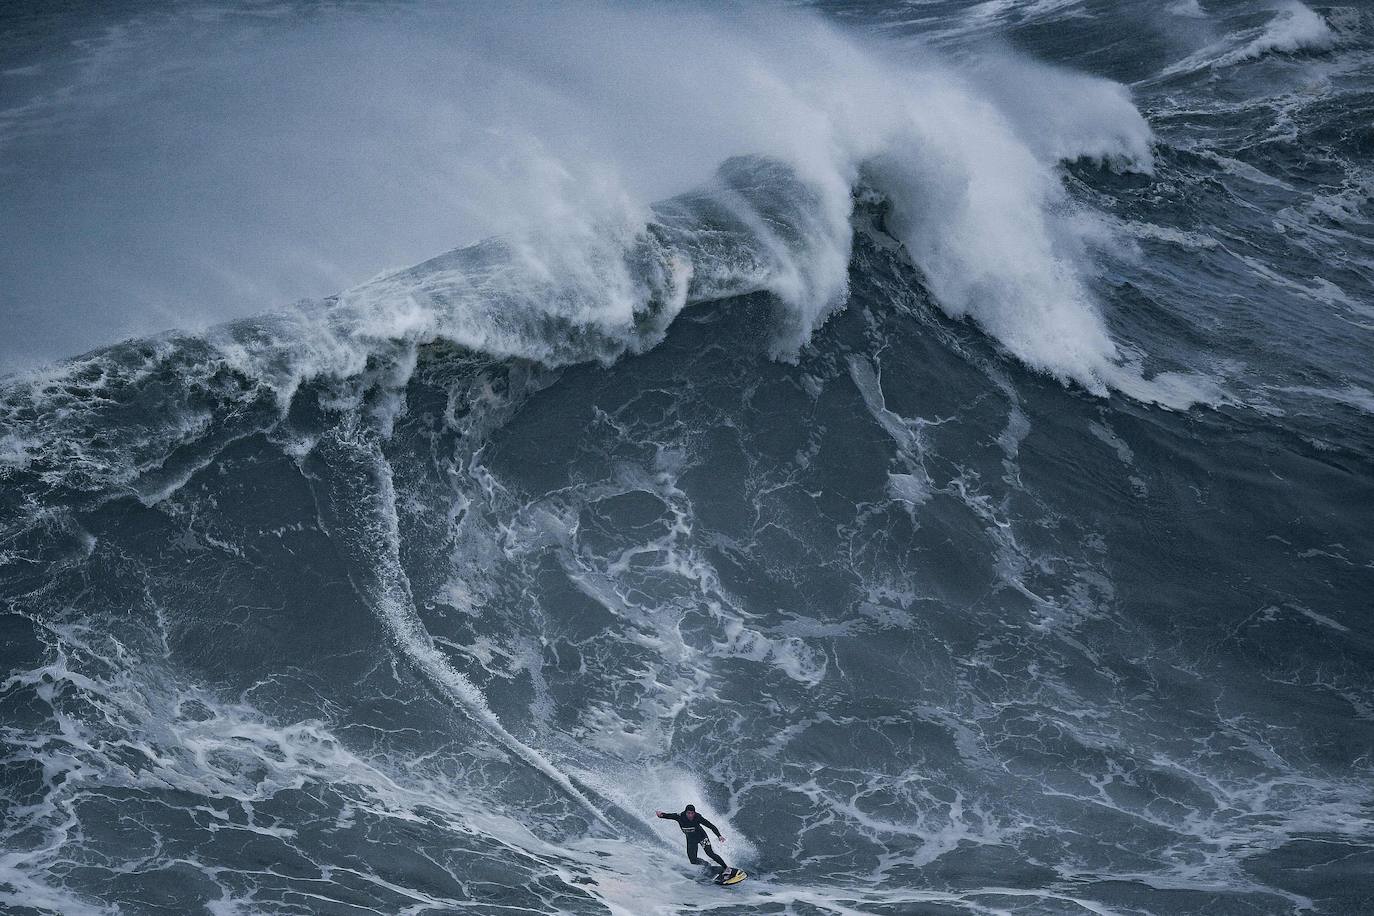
690,811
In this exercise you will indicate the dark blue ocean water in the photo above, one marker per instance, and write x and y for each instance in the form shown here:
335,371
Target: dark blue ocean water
946,458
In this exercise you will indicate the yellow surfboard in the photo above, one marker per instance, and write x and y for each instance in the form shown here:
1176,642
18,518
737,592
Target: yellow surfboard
736,878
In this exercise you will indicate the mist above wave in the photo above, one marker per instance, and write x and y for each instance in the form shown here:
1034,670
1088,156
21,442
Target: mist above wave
557,132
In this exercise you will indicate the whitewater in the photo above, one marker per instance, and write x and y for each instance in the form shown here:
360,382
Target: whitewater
934,439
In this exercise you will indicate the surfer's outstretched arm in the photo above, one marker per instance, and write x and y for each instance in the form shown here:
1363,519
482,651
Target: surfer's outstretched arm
713,828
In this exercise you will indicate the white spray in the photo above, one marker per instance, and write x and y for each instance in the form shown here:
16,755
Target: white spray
398,134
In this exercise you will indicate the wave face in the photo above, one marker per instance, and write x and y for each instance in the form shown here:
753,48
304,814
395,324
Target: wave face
935,440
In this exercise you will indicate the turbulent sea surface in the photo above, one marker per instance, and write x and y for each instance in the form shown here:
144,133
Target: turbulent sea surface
937,439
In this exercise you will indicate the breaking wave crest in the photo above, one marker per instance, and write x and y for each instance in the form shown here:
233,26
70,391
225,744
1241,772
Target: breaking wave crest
966,157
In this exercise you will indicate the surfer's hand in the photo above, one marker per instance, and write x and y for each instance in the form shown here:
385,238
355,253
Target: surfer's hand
658,814
720,839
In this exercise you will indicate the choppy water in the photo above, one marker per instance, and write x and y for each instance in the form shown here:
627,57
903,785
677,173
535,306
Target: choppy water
964,497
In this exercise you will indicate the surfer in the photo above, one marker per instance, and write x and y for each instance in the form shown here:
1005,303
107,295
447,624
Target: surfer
693,828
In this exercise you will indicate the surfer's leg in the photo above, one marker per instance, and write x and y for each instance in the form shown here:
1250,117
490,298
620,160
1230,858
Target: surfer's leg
692,851
706,846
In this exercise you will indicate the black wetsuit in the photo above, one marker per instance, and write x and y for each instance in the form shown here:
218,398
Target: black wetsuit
696,836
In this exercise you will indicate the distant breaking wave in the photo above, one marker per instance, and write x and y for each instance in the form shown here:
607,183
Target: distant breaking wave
1292,28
